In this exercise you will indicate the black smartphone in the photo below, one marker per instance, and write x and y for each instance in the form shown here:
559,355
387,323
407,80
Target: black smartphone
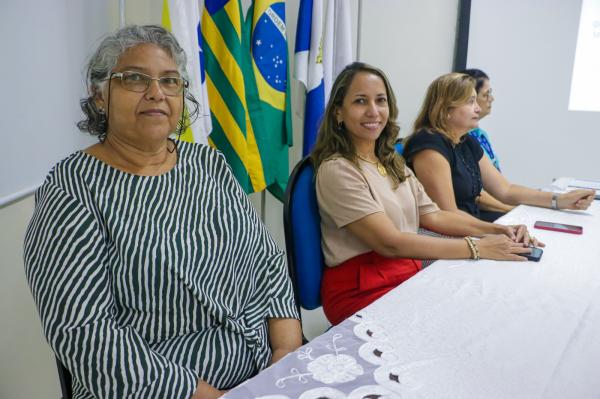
535,255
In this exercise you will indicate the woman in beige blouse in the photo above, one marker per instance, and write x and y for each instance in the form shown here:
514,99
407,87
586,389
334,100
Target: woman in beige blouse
372,205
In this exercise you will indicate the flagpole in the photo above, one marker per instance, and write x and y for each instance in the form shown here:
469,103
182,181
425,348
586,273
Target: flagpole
121,13
359,30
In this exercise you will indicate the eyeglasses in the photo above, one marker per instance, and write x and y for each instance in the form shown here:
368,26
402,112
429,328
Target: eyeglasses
140,82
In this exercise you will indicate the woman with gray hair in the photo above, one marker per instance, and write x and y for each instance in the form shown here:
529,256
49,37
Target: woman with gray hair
152,274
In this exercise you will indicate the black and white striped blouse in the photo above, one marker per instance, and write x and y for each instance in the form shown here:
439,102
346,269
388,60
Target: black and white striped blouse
146,283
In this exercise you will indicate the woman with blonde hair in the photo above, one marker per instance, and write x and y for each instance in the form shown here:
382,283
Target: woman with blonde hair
371,204
450,163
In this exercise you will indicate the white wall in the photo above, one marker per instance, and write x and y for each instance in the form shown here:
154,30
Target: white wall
411,41
27,368
527,48
44,44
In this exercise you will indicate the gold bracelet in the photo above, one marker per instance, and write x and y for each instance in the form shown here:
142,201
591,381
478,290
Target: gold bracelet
477,257
470,245
473,248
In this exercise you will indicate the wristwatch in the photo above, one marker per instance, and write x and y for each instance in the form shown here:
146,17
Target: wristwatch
554,200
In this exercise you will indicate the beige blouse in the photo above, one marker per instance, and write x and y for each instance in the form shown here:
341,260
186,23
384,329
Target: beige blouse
346,194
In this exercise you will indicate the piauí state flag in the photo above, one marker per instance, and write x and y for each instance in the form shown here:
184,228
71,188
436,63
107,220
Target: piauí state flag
227,68
268,99
182,18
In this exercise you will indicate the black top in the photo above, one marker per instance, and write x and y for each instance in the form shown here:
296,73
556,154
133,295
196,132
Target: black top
464,164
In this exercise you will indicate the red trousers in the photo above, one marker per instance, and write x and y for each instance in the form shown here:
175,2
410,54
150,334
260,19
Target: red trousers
352,285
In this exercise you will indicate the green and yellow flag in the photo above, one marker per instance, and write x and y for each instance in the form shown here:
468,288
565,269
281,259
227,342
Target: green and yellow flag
248,104
265,24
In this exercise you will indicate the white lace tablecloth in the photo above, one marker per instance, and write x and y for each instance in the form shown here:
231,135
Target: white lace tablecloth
465,329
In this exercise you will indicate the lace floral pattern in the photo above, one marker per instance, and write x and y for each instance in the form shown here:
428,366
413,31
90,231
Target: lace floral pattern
354,360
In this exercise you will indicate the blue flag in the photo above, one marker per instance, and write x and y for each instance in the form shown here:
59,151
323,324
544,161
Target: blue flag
308,67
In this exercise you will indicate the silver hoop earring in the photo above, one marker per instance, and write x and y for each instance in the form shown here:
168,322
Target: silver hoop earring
340,126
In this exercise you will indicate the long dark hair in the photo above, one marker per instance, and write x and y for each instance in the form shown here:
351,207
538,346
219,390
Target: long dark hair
479,76
333,139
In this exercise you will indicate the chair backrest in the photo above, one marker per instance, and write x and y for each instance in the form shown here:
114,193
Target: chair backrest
399,147
65,379
301,222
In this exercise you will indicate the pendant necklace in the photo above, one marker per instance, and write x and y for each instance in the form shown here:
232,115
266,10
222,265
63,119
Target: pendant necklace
380,168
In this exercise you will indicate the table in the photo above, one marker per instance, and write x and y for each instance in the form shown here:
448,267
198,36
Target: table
466,329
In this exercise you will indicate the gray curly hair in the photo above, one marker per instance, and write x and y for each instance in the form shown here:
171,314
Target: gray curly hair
106,57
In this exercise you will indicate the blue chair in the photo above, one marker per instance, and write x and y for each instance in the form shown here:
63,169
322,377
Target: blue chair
302,227
399,146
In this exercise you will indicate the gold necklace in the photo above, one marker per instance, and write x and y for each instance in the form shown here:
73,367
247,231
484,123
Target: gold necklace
380,168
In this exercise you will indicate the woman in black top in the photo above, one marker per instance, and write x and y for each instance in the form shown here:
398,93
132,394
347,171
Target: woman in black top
462,158
450,164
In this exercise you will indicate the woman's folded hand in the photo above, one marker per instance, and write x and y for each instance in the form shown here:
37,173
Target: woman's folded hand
576,199
501,247
206,391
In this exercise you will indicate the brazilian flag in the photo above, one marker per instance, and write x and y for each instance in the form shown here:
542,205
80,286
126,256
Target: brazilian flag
250,124
270,99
